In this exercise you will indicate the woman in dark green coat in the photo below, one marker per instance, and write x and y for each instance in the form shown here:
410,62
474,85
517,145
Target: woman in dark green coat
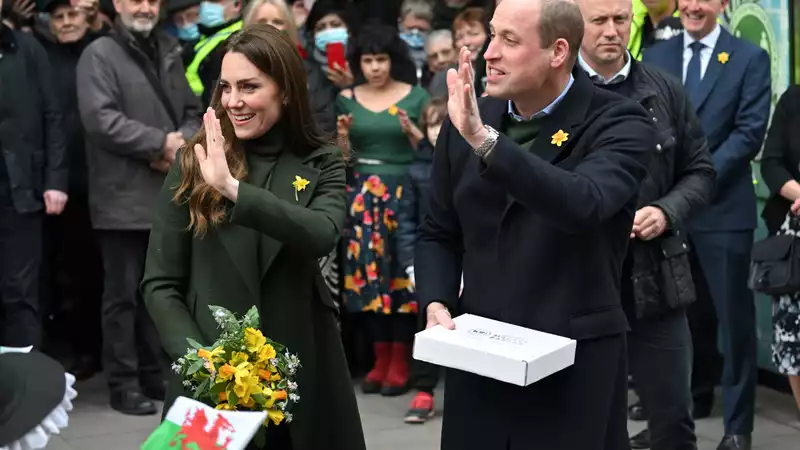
234,228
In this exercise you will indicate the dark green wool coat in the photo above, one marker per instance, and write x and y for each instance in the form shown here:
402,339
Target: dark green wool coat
265,255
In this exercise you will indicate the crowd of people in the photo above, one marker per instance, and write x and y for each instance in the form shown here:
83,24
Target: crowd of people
462,156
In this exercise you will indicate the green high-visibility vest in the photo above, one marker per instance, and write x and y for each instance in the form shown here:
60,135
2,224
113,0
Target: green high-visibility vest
637,28
202,49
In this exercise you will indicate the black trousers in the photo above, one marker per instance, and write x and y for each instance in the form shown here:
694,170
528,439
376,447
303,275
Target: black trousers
72,280
660,358
582,407
660,352
392,328
131,347
424,375
20,262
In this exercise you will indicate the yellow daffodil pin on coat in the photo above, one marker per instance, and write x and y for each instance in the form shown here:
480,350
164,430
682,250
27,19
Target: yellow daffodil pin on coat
559,138
723,57
299,184
393,110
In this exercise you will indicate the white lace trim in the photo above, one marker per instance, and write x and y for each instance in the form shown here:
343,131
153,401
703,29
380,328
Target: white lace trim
56,421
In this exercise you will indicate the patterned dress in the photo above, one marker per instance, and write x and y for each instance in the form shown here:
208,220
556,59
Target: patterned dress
786,321
374,279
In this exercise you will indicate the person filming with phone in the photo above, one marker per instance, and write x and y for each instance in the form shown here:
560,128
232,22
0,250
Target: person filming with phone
327,69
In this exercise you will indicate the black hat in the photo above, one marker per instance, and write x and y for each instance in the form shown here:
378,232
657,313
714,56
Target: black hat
174,6
49,5
33,386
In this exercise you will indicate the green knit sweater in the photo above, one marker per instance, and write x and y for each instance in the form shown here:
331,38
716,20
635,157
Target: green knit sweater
523,133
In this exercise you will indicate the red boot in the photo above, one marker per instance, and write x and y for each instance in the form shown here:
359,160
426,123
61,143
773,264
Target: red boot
396,382
376,377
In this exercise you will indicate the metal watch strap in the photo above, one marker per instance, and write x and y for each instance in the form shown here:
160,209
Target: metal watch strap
488,144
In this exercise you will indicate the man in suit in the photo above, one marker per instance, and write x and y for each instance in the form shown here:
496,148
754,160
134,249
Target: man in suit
728,82
533,195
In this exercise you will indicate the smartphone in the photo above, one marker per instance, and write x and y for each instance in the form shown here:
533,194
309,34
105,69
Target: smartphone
335,53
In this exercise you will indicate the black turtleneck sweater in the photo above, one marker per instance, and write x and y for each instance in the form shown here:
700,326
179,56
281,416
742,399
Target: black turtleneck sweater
261,155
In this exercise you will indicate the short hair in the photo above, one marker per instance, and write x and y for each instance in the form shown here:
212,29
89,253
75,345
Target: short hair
291,28
420,8
469,16
561,19
437,35
376,38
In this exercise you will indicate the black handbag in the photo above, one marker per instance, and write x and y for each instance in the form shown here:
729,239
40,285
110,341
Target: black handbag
775,265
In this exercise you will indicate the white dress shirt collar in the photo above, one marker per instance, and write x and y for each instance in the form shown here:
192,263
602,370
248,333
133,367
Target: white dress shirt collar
710,40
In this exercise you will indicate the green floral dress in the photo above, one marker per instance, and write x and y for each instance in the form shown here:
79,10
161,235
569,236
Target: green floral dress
374,280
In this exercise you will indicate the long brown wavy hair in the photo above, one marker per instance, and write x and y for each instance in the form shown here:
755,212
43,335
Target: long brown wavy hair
276,56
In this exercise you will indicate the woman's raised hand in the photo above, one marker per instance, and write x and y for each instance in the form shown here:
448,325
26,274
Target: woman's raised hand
213,164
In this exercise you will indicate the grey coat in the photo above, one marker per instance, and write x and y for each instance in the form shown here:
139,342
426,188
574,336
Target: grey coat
127,123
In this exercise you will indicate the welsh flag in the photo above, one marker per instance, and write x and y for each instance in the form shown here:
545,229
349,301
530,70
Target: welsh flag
191,425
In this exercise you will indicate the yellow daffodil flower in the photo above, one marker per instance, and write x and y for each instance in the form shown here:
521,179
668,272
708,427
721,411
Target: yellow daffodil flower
245,387
226,372
213,355
559,138
226,407
254,340
275,415
266,353
723,57
299,184
238,358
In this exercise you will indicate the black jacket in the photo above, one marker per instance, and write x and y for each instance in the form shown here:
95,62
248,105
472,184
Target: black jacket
322,96
780,161
541,235
680,182
31,130
64,62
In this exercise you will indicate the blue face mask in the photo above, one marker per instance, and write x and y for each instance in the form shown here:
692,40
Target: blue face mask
414,38
188,33
330,36
211,14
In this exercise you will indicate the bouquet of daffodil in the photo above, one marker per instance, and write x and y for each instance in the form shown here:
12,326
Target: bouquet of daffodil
243,370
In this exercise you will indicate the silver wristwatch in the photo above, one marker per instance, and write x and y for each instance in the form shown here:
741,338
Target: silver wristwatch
488,144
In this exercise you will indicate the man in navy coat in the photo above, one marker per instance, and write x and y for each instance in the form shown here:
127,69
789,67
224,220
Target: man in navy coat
533,194
728,82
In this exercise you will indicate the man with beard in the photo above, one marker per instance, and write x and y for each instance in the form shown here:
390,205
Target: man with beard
137,109
73,271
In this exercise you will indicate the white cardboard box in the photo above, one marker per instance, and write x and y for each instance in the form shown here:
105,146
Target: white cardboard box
494,349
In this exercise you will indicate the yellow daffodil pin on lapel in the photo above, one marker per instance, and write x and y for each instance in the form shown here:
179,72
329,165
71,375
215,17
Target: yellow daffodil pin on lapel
723,57
299,184
559,138
393,110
